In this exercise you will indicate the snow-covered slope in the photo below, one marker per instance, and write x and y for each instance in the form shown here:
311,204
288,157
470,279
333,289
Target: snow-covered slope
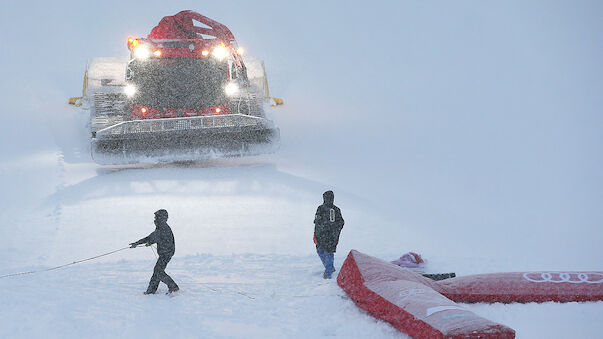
469,133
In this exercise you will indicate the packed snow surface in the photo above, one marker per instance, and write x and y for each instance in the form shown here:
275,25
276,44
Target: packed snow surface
467,132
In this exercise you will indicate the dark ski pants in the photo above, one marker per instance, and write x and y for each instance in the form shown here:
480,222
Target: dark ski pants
160,275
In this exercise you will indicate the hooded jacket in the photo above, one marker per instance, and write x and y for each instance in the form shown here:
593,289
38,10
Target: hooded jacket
328,223
163,237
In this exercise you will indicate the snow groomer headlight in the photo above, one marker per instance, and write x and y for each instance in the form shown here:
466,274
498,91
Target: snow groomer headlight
130,90
141,52
231,89
219,52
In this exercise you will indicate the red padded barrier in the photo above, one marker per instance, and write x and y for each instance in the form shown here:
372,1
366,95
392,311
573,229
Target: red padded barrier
525,287
409,301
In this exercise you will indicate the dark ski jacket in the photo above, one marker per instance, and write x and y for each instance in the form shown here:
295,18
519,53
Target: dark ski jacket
328,223
163,237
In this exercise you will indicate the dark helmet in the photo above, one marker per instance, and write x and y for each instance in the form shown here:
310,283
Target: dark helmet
161,214
328,197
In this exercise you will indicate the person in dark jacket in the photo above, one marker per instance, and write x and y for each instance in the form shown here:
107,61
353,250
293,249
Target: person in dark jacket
164,238
328,223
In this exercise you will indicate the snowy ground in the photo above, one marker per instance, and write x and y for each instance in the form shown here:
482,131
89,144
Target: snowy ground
245,260
485,157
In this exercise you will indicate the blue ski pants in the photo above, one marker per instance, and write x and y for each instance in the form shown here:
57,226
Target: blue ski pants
327,259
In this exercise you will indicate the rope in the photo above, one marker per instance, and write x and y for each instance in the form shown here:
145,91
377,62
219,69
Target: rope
217,291
57,267
153,249
273,295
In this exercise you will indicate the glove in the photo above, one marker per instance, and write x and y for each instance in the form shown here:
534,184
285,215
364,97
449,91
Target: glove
133,245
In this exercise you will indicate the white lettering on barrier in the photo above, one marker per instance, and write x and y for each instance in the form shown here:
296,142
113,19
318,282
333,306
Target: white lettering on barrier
436,309
561,277
458,316
413,291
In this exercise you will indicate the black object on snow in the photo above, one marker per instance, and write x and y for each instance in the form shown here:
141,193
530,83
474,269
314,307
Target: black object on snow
440,276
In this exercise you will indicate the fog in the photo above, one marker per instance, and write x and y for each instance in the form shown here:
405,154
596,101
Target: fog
451,117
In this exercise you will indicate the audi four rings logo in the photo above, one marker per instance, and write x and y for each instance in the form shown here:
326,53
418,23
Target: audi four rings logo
562,277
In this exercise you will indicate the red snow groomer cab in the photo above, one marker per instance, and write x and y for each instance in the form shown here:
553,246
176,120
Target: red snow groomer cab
186,96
